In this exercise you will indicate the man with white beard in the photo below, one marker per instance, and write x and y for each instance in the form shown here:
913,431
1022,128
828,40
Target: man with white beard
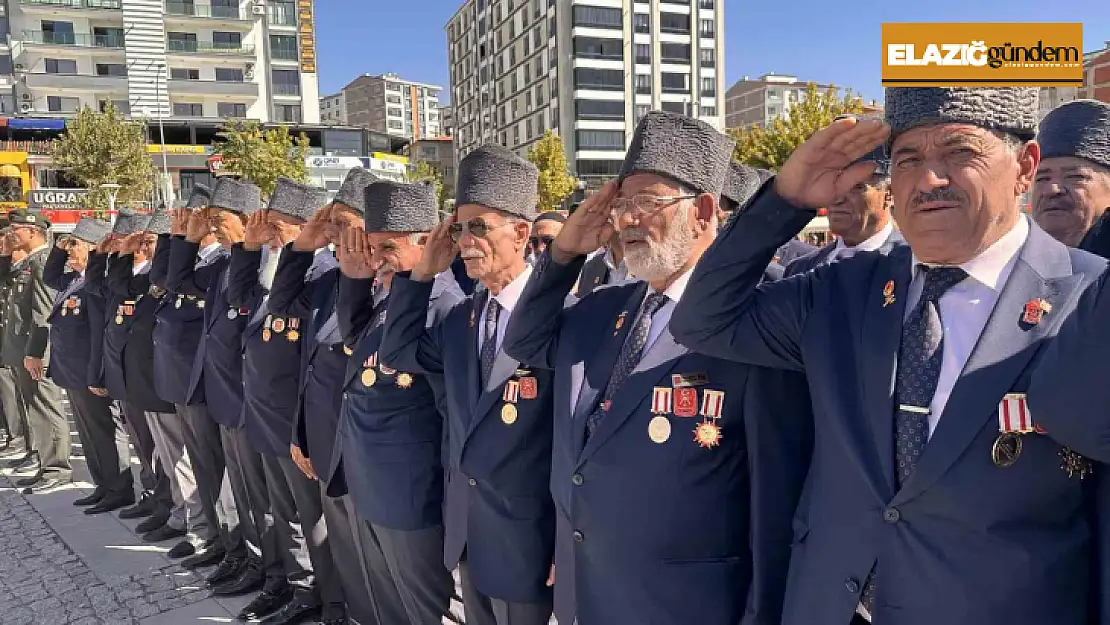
675,475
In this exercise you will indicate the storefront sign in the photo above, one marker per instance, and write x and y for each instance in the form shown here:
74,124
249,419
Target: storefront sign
333,162
156,148
45,199
388,169
306,31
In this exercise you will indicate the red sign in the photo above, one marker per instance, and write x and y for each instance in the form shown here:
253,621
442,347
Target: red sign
70,216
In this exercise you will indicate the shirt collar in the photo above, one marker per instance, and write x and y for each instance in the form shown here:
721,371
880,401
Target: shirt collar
993,265
678,287
871,243
509,295
137,269
208,251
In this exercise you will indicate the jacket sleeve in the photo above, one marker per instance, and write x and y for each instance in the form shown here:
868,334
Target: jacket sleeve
181,273
5,267
354,308
290,295
407,343
97,320
159,265
95,275
54,273
243,288
532,336
726,313
42,303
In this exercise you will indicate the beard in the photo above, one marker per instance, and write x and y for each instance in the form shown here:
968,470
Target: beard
653,261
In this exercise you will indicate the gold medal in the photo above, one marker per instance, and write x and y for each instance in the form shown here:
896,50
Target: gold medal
508,414
707,434
369,377
266,335
346,350
278,325
119,320
659,429
404,380
292,335
1006,450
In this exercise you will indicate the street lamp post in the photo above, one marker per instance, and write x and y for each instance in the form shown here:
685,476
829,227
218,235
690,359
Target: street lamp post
112,189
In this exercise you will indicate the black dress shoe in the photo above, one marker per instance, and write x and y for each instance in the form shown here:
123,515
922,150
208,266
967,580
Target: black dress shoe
181,550
211,553
159,519
29,481
267,602
298,610
111,503
229,569
162,534
91,499
47,484
248,580
339,620
146,507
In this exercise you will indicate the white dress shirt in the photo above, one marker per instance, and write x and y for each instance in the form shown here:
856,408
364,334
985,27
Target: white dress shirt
966,308
870,244
662,316
207,254
142,267
507,298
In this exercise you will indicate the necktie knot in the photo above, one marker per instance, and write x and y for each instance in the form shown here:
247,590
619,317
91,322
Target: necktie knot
653,303
938,280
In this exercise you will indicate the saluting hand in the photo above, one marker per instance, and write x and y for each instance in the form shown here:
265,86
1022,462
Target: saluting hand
229,228
179,221
198,226
821,169
439,252
258,231
130,243
355,254
314,234
590,227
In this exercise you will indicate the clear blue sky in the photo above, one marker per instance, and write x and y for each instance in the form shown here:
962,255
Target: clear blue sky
823,41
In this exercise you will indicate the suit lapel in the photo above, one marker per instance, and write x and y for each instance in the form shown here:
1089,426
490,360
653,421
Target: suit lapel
503,368
1043,271
880,339
600,368
470,348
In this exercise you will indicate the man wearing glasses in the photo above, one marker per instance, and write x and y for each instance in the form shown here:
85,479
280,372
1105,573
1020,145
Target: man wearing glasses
26,340
544,230
500,523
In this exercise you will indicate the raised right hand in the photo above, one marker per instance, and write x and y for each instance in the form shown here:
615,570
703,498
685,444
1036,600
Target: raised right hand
258,231
590,227
179,221
355,254
821,170
314,234
439,252
130,243
198,227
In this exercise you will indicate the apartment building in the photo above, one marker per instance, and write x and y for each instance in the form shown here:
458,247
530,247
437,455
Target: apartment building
386,103
1096,75
251,59
763,100
588,69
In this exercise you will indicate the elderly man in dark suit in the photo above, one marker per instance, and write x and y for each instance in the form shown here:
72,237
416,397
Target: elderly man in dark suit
936,495
652,439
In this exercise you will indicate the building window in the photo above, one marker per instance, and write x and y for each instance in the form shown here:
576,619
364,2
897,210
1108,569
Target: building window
596,168
182,73
643,53
123,107
188,109
706,4
708,111
600,139
287,113
284,47
707,29
225,8
641,22
57,104
675,83
111,69
181,42
528,128
537,37
226,40
286,82
229,74
231,110
597,17
641,111
393,99
596,48
282,13
395,124
599,109
539,94
58,32
675,107
674,52
709,87
592,78
643,83
61,66
674,23
708,57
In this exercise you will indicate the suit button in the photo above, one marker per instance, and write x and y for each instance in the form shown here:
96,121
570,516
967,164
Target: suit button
577,479
578,536
472,482
851,585
891,515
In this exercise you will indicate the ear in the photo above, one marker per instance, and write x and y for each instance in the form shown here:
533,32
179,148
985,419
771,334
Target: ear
705,206
523,231
1029,157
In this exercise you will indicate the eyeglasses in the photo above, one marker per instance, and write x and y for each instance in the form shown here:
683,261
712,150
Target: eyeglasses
645,204
149,242
537,242
476,227
68,243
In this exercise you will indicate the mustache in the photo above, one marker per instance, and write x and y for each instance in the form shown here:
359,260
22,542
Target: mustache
940,194
633,235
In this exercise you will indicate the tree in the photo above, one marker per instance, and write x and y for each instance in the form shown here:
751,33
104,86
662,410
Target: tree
556,183
769,148
106,148
424,170
262,155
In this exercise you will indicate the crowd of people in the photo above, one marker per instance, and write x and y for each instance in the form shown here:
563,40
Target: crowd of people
660,409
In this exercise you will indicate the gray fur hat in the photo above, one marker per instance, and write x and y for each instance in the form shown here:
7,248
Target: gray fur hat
130,222
91,230
236,196
397,207
742,183
353,190
495,177
199,197
159,222
296,200
1010,110
1079,128
684,149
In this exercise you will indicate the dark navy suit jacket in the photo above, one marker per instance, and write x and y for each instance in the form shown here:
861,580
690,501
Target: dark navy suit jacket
390,438
790,251
821,256
77,337
661,532
498,498
963,542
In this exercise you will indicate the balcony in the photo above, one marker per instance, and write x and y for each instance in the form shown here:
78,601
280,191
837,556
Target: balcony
176,46
190,13
281,16
287,90
37,38
212,87
70,7
77,82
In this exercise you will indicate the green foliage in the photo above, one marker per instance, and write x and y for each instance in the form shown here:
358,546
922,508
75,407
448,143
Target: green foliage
106,148
262,155
556,183
425,170
769,148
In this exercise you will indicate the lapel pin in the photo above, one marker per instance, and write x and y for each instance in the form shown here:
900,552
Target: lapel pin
620,322
888,293
1035,310
473,316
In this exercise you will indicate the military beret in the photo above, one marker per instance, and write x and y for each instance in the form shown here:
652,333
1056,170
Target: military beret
1079,128
28,217
1011,110
496,177
199,197
130,222
236,196
91,230
352,192
398,207
684,149
741,184
294,199
159,222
